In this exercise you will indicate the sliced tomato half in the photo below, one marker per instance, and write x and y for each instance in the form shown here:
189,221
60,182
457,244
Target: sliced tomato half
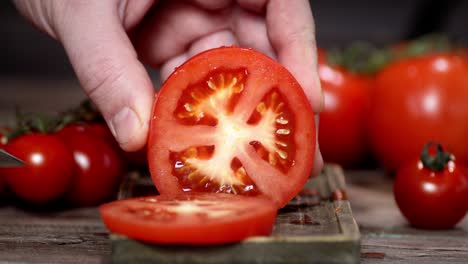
195,218
232,120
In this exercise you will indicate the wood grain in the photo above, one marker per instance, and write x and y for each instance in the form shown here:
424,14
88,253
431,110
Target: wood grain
70,236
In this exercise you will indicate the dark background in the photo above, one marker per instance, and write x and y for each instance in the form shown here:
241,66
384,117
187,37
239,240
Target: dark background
28,53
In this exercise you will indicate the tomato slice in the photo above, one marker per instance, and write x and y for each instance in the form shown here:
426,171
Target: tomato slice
231,120
191,218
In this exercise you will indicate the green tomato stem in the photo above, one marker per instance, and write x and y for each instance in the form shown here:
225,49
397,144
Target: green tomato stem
436,162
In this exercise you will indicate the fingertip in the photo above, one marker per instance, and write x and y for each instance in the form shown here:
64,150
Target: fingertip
318,162
129,129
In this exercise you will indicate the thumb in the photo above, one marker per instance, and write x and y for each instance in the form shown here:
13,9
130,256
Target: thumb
107,67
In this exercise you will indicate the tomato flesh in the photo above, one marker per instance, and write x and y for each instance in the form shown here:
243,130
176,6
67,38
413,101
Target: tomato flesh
195,218
203,164
225,122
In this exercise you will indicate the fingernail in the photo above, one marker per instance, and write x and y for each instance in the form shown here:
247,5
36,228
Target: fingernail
123,125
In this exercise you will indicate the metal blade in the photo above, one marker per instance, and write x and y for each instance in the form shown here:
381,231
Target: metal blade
8,160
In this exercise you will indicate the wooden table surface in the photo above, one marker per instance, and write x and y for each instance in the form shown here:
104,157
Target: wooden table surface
78,236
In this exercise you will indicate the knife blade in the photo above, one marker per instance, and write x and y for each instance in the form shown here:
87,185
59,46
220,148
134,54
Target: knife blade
8,160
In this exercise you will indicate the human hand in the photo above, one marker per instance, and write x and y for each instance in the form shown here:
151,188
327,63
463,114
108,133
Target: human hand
109,64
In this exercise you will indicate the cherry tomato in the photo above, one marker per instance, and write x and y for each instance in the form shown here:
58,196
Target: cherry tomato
48,171
99,168
417,100
195,218
232,120
3,140
137,158
432,192
343,121
2,145
96,129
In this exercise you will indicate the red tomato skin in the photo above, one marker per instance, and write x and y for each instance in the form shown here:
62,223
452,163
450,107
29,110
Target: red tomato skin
135,158
48,171
267,73
2,141
2,180
99,169
342,130
431,200
96,129
418,100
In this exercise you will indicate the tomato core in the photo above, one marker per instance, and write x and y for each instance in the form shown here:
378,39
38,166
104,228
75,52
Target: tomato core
211,103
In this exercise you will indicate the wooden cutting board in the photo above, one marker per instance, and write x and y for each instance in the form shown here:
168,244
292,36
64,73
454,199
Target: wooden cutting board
315,227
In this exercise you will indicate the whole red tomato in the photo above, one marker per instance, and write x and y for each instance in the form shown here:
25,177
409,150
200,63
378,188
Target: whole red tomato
99,168
96,129
48,171
135,158
417,100
432,192
342,130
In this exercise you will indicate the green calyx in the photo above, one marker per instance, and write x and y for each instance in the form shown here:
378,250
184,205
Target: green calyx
359,57
27,123
438,161
426,44
86,111
365,58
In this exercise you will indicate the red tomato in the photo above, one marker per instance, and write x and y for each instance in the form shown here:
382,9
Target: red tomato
417,100
432,192
196,218
3,136
103,132
232,120
3,140
136,158
96,129
48,171
2,145
342,130
99,168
